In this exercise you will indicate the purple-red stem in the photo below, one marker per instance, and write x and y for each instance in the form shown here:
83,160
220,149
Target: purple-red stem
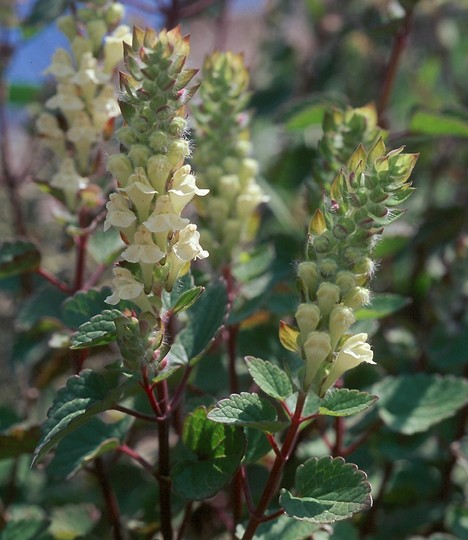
51,278
340,430
276,472
399,44
135,414
164,463
124,449
110,499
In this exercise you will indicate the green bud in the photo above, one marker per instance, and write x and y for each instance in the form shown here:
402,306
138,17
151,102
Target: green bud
341,318
177,126
323,243
97,29
177,152
114,14
343,228
67,25
358,198
328,267
345,281
120,167
307,272
158,141
127,136
357,297
377,195
364,266
158,169
231,165
328,295
139,154
307,317
316,349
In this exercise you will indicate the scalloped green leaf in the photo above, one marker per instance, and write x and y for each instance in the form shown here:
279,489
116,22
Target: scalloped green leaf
205,318
328,490
105,246
18,257
83,305
83,396
86,443
44,303
19,440
345,402
283,528
99,330
216,453
22,526
413,403
269,378
382,305
248,410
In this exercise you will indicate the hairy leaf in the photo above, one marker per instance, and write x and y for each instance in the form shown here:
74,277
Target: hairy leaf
413,403
100,330
216,451
328,490
248,410
345,402
270,378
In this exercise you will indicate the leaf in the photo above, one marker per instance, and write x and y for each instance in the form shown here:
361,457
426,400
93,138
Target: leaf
183,284
216,450
45,303
186,300
438,124
23,527
413,403
84,396
175,359
258,445
248,410
19,440
345,402
18,257
269,378
328,490
288,337
100,330
105,246
283,528
23,94
83,305
205,318
85,444
383,305
71,521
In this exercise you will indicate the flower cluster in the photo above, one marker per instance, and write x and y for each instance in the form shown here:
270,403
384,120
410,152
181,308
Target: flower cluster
222,161
339,264
81,113
154,184
343,131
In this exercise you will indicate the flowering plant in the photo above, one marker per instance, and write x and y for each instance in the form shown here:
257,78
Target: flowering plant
211,358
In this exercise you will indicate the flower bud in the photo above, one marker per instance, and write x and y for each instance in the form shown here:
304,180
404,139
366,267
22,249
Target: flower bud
345,281
67,25
328,295
159,168
316,349
177,126
139,154
97,29
307,317
158,141
323,243
177,152
357,297
343,228
341,318
80,46
120,167
364,266
231,165
114,14
127,136
308,274
328,267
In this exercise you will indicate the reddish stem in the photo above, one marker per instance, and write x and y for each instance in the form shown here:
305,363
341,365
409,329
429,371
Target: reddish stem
340,430
399,44
276,472
51,278
135,414
124,449
110,499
